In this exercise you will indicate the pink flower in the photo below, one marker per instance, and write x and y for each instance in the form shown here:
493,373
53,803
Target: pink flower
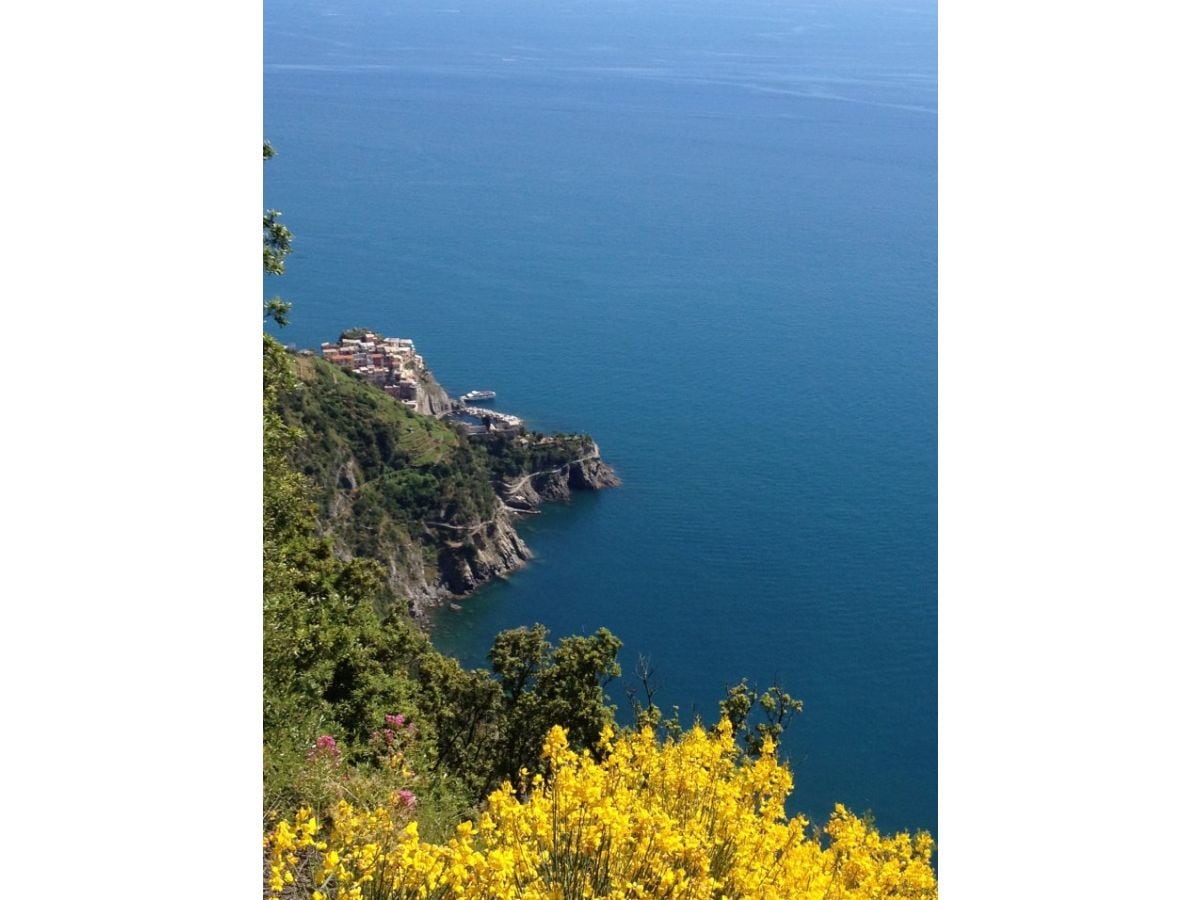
327,745
396,721
407,799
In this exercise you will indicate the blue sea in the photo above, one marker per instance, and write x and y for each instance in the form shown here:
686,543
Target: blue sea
706,234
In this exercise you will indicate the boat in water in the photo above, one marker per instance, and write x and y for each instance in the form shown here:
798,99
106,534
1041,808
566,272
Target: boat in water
474,396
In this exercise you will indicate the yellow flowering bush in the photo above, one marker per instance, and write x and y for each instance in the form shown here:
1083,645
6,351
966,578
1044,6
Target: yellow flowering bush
688,818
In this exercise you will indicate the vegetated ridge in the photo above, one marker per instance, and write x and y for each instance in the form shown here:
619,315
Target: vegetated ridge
408,489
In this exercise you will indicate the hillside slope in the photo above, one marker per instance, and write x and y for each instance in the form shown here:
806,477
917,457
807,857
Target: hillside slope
410,491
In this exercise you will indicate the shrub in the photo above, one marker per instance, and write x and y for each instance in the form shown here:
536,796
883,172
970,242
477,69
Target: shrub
690,818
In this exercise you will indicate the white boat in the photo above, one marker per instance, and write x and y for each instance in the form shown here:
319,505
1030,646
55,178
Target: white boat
472,396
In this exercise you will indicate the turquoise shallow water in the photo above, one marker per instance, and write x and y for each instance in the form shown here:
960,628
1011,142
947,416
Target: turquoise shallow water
706,234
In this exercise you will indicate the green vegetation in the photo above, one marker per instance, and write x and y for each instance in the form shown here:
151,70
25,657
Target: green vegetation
393,480
508,458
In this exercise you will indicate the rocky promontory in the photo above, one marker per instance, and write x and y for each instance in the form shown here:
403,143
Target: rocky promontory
525,493
398,482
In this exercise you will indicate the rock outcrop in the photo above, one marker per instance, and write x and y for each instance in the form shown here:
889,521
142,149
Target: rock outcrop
490,550
523,495
466,559
447,561
432,399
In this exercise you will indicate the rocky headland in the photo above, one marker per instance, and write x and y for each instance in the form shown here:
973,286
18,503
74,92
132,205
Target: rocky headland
398,481
524,494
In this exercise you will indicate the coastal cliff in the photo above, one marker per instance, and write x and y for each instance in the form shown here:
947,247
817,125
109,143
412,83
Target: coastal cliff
432,399
407,489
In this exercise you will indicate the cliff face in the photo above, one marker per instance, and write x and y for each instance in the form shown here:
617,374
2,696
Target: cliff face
436,510
484,551
432,399
428,562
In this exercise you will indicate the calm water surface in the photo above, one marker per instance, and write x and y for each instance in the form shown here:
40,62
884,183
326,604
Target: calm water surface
706,234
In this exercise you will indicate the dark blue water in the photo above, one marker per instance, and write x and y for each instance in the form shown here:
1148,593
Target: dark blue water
706,234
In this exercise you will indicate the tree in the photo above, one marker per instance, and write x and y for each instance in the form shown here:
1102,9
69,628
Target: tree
543,687
277,244
777,707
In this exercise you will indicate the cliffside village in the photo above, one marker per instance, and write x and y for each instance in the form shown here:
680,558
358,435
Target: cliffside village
394,365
